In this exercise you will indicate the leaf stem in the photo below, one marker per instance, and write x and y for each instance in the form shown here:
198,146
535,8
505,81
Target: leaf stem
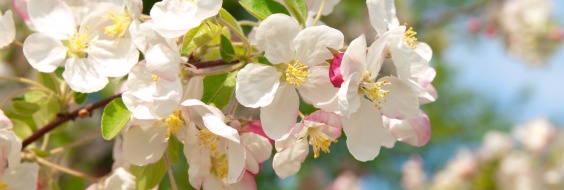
170,174
318,16
65,170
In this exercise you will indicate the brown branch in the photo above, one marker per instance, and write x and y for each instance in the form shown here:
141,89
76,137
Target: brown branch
212,63
62,118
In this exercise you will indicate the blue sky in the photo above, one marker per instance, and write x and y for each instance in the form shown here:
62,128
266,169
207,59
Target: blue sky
486,68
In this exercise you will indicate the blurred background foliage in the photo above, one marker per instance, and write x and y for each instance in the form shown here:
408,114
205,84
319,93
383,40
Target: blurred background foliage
458,118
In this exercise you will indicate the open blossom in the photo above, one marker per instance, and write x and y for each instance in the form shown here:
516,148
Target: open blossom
173,18
295,55
535,135
365,96
319,130
22,176
88,59
120,179
7,28
220,157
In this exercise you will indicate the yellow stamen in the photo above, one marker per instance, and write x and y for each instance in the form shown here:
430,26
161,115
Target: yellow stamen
373,90
409,37
208,140
296,73
155,77
76,45
319,141
220,166
174,121
121,22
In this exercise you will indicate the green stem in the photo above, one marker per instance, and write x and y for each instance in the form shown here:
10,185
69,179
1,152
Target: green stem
318,16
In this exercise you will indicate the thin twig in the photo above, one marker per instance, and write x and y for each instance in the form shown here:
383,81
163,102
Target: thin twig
213,63
76,143
170,174
65,170
318,16
62,118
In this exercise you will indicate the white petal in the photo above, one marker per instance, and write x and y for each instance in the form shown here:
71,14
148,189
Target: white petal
311,44
280,116
415,131
318,89
140,83
166,97
401,102
314,5
365,132
376,54
144,35
259,146
382,15
173,18
251,164
115,58
82,75
163,61
139,108
144,145
348,96
120,179
424,50
217,126
197,109
332,122
43,52
256,85
274,35
8,28
288,161
24,176
195,88
236,156
53,17
207,8
198,158
354,59
247,183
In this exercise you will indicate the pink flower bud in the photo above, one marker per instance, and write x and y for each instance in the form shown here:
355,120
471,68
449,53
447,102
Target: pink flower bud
335,70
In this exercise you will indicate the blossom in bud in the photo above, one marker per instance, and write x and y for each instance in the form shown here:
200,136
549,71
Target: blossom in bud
335,70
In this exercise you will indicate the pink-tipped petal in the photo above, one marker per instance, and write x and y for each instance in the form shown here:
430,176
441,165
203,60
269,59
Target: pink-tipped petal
335,71
415,131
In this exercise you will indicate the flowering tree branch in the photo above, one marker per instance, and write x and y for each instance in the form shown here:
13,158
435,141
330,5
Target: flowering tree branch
64,117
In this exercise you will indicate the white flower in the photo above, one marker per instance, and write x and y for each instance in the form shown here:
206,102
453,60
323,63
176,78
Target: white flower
7,29
10,144
88,61
173,18
365,95
23,176
535,135
295,54
320,129
415,131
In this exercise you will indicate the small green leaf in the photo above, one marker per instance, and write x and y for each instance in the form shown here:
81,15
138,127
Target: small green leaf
298,9
24,108
79,98
41,153
173,149
114,118
218,89
147,177
261,9
49,80
230,19
199,36
226,50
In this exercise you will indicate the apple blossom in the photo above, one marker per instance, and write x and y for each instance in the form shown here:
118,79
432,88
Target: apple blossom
320,129
22,176
365,96
120,179
10,144
173,18
88,61
8,29
295,55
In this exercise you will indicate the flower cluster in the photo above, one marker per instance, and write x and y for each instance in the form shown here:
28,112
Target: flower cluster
529,157
195,57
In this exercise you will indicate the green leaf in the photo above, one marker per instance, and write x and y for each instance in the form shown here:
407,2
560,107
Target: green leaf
298,9
226,50
24,108
79,98
41,153
114,118
218,89
49,80
199,36
147,177
230,19
261,9
173,149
